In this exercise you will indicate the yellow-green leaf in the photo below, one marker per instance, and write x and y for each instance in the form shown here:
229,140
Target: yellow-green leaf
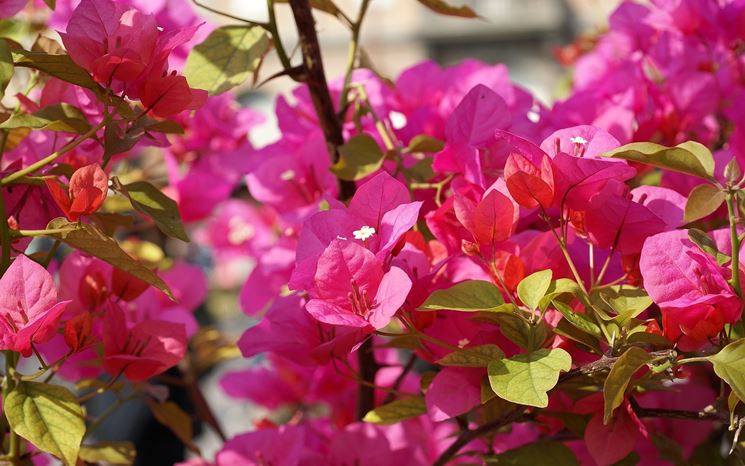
729,365
526,378
521,332
48,416
689,157
475,356
109,453
469,296
397,411
89,239
360,157
534,287
424,143
172,416
149,200
580,321
703,200
444,8
226,58
614,388
57,117
706,244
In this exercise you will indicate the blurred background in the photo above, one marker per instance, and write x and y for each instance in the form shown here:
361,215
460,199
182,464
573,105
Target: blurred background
525,35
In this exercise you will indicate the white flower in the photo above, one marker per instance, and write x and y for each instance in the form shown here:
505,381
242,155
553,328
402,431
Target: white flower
579,140
287,175
364,233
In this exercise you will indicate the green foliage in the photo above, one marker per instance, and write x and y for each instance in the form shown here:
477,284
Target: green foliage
444,8
729,365
689,157
519,330
580,321
6,67
89,239
534,287
475,356
360,157
228,56
468,296
542,453
703,200
526,378
48,416
59,66
150,201
397,411
58,117
172,416
614,388
110,453
424,143
706,244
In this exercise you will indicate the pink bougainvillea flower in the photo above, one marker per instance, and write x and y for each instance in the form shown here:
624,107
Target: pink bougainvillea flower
352,289
9,8
490,217
29,309
611,442
690,288
147,349
283,445
453,391
168,94
86,193
531,185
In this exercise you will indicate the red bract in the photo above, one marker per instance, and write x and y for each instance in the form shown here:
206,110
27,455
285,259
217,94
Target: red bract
148,348
77,331
85,194
29,311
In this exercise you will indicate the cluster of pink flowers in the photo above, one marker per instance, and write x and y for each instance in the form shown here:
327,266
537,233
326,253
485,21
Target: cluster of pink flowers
503,188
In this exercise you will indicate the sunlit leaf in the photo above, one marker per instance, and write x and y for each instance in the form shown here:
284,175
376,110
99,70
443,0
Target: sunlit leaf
397,411
526,378
614,388
469,296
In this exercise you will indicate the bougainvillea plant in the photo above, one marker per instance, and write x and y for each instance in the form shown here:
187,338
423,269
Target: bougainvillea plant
445,270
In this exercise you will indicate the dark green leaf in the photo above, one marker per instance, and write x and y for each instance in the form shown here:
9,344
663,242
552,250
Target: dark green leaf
6,67
226,58
541,453
424,143
59,66
149,200
707,245
580,321
444,8
729,365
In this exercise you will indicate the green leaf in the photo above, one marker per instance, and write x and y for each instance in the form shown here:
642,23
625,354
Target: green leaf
521,332
558,287
111,453
397,411
541,453
48,416
57,117
172,416
626,301
149,200
689,157
226,58
729,365
580,321
469,296
475,356
614,388
444,8
534,287
89,239
6,67
526,378
359,157
59,66
424,143
707,245
703,200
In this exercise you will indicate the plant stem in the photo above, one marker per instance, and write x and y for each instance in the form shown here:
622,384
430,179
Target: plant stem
4,235
731,201
354,46
52,157
274,31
